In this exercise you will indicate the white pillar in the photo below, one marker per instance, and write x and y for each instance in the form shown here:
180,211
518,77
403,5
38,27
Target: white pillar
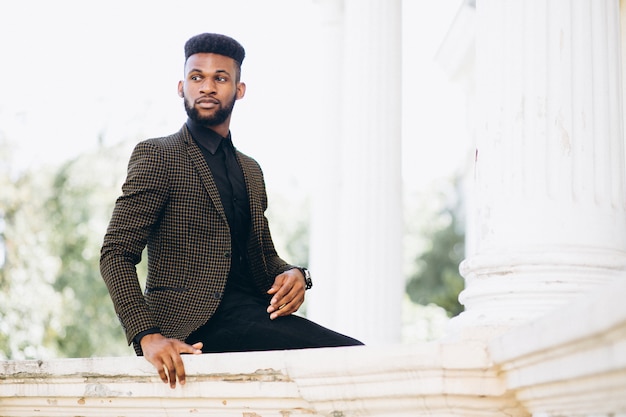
550,215
322,301
366,279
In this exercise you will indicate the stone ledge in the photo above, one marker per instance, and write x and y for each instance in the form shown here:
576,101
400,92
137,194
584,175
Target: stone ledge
571,362
426,379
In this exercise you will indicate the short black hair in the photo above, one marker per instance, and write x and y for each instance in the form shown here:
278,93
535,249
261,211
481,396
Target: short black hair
216,44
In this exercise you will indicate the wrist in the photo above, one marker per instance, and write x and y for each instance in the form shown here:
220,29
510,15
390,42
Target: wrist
140,336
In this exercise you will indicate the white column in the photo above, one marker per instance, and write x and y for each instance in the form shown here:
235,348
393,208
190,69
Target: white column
365,247
550,215
322,301
369,278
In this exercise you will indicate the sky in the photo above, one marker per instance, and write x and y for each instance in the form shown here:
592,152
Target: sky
76,74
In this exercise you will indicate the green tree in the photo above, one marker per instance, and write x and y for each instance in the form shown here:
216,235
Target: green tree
78,209
28,304
52,221
437,279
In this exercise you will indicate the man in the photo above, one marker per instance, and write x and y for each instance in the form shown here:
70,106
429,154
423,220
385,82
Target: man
215,282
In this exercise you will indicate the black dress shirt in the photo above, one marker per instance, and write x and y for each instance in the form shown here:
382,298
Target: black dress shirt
219,154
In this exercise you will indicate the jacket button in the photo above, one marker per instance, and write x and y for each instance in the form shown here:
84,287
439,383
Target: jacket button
226,254
217,295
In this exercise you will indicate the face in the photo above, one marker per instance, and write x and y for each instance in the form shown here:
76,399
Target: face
210,89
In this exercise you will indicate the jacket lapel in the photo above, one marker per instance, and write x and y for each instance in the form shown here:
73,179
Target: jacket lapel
256,208
197,160
258,201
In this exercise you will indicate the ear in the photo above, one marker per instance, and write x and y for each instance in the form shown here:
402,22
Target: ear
241,90
180,89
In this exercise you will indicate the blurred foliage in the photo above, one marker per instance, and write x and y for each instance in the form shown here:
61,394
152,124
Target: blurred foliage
78,208
28,304
437,279
53,302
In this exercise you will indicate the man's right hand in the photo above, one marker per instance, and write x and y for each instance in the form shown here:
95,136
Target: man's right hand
164,354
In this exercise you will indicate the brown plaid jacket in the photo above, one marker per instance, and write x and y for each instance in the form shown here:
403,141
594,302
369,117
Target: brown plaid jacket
170,203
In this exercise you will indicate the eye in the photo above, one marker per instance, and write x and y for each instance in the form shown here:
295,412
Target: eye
195,77
221,78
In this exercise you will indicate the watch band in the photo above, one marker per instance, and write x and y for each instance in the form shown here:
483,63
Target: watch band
308,282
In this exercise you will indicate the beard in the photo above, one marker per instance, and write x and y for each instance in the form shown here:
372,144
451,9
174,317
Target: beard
214,119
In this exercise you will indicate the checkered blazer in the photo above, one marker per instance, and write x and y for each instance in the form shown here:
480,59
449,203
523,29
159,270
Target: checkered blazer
170,203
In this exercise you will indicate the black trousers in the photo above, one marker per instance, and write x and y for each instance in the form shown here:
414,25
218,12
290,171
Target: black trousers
242,324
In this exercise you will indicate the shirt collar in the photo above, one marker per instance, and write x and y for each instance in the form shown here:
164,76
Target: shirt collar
206,137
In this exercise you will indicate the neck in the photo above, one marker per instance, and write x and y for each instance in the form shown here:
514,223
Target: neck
222,129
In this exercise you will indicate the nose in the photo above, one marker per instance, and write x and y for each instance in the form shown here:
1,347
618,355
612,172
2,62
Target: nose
208,86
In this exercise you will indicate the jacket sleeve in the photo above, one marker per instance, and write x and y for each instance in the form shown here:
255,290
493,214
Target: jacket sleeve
136,212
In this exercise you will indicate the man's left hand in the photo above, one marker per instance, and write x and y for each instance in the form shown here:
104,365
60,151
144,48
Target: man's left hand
288,293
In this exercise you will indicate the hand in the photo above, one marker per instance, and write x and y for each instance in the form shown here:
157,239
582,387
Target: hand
288,291
164,354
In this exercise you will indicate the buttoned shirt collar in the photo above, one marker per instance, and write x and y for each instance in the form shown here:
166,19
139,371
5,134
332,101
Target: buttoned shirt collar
206,137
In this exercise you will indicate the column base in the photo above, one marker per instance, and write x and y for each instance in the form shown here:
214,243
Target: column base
506,289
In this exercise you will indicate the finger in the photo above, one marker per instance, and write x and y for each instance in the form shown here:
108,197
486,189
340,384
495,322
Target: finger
278,282
286,308
288,294
276,306
278,313
171,374
179,371
159,366
185,348
284,294
286,297
162,374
